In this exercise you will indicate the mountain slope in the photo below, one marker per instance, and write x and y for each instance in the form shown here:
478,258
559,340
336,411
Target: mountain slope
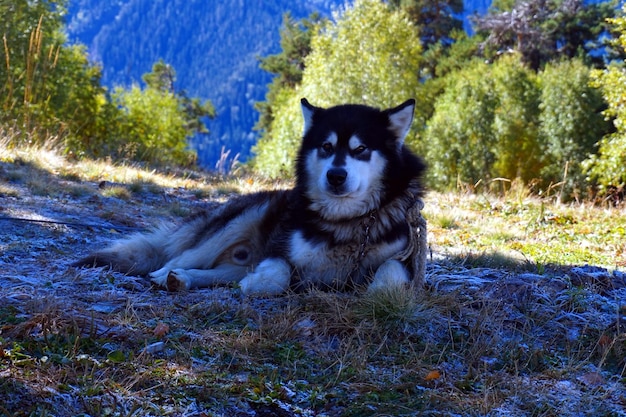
213,45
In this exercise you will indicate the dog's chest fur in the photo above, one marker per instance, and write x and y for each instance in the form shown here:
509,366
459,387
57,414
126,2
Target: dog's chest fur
346,253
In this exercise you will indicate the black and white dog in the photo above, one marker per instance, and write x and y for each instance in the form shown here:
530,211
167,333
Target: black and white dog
340,227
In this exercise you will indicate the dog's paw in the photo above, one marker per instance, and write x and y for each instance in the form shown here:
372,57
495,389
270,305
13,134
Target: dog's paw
159,277
390,275
174,280
271,277
178,280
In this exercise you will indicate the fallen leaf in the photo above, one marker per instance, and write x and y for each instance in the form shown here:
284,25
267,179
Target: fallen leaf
161,329
591,379
116,356
605,341
433,375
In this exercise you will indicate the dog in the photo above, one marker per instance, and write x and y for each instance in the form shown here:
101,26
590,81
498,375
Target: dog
340,227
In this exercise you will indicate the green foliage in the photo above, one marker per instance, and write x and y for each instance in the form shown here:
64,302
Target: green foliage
288,65
607,166
192,110
150,124
516,147
502,120
153,125
460,134
369,54
295,43
442,60
46,87
570,122
49,89
437,20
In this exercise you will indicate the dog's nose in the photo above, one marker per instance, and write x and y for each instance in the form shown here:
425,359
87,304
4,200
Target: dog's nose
336,176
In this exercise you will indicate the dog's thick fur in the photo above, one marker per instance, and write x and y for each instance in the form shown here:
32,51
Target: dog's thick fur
339,227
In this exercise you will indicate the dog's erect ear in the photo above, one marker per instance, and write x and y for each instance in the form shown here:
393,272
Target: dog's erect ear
307,113
400,119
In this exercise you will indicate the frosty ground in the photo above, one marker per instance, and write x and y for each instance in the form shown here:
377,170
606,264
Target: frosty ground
523,313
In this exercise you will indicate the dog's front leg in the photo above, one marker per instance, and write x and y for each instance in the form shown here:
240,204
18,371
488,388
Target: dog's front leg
271,277
391,274
184,279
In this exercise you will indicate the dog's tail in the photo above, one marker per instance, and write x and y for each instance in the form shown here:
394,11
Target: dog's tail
138,254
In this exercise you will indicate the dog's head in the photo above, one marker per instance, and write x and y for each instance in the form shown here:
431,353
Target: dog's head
351,155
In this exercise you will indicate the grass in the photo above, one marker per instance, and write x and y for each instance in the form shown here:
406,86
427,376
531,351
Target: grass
506,326
533,229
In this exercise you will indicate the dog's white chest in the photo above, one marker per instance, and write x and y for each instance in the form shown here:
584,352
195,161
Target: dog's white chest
321,263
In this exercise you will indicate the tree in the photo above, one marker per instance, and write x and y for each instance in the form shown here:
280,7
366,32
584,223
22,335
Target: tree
288,65
194,112
49,89
571,123
440,30
606,168
437,20
46,87
370,54
155,123
543,30
154,127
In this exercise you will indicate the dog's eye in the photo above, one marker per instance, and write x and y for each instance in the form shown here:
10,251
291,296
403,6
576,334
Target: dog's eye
359,150
327,147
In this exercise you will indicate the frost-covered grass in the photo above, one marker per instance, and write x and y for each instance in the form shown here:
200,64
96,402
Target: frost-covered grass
523,314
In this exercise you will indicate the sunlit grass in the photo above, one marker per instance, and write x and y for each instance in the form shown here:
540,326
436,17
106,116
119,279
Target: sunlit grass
41,168
536,229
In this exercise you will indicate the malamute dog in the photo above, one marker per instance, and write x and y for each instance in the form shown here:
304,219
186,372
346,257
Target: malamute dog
347,222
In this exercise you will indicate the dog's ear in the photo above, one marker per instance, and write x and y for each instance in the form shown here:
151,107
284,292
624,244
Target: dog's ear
307,113
400,119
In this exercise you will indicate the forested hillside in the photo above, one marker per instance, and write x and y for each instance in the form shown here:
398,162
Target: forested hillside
213,46
534,91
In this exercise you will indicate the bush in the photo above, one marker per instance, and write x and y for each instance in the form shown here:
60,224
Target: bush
484,125
606,168
48,89
502,120
571,123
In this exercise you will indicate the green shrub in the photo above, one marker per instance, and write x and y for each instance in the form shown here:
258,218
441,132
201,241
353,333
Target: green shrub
571,123
606,167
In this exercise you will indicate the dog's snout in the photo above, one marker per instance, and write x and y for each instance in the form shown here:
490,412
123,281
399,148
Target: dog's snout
336,176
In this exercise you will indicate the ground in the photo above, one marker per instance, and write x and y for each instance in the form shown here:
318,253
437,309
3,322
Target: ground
523,312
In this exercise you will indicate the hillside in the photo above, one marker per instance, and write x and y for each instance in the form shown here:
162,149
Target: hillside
213,45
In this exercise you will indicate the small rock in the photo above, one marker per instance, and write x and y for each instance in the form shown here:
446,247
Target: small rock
154,348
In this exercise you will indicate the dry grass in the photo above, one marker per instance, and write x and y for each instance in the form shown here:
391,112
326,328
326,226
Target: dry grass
512,322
